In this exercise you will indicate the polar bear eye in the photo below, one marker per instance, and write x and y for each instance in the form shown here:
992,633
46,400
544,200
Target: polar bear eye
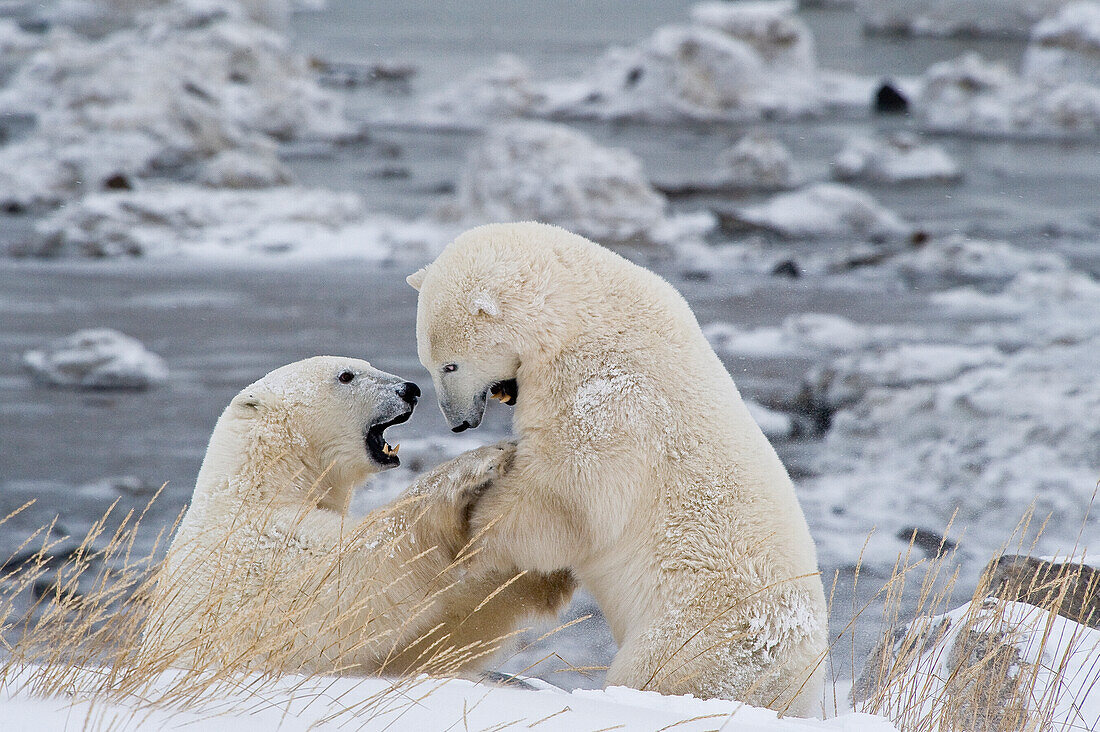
345,377
450,367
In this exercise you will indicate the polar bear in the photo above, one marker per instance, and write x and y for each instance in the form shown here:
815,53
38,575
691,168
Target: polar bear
267,571
638,466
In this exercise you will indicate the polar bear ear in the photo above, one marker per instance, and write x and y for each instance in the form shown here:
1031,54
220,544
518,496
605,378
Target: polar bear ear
416,279
483,303
249,401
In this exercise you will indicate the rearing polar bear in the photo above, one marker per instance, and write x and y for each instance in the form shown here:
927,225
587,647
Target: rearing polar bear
637,466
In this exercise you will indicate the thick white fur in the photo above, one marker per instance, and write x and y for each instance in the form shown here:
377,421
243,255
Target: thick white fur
267,571
638,465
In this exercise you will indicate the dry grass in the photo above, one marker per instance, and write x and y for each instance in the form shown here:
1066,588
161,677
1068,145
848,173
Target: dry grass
91,626
82,635
992,664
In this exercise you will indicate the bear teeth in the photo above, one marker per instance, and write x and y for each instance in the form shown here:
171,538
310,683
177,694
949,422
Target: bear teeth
390,449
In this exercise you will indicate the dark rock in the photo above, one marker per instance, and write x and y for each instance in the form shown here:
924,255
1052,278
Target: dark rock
118,182
1070,589
787,268
890,100
929,542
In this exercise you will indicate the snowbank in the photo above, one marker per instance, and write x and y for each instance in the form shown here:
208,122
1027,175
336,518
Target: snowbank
303,703
187,82
822,210
898,158
956,261
176,219
989,665
546,172
98,358
1013,18
1056,95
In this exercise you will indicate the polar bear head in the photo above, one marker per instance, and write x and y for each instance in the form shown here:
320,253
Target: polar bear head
493,298
327,413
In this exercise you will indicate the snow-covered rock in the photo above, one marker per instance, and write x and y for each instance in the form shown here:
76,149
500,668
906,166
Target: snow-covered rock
176,219
98,358
1001,18
500,91
1066,47
1056,95
825,210
554,174
733,61
988,665
189,81
898,158
757,162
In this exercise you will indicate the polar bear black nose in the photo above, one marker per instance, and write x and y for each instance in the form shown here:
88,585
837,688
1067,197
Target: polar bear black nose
409,392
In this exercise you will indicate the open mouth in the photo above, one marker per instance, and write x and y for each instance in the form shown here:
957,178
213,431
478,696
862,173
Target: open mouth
506,391
381,451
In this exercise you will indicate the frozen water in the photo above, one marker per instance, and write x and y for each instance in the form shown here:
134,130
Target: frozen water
547,172
98,358
898,158
824,210
177,219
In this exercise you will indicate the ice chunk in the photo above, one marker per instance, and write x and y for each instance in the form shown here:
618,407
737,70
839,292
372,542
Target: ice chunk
973,96
1000,18
822,210
757,162
98,358
898,158
551,173
1066,47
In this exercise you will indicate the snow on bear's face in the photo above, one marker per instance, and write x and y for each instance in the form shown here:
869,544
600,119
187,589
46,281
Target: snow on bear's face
464,341
336,407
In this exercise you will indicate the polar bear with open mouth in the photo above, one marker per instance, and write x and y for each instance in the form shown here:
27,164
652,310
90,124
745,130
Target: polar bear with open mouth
268,571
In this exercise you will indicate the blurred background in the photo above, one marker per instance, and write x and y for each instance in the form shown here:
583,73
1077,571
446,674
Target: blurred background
884,213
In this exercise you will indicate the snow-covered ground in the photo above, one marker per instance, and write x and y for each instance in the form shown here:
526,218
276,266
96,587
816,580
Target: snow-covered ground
306,703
